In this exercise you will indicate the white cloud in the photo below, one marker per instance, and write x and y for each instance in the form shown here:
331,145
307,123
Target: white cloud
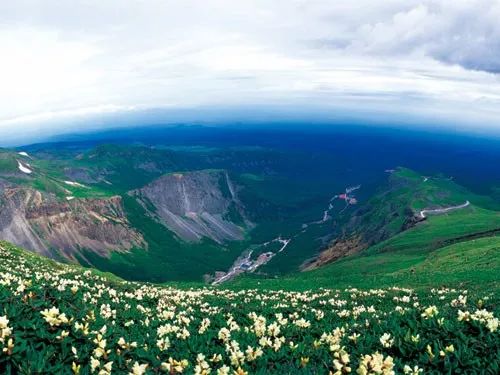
75,59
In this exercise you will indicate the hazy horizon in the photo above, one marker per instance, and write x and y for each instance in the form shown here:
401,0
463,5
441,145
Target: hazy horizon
89,65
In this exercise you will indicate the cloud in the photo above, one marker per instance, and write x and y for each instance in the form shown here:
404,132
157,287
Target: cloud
64,60
466,33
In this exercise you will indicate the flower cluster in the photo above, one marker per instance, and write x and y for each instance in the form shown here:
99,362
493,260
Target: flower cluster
59,319
482,316
5,333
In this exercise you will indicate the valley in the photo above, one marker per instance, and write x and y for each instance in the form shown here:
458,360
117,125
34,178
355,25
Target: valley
166,257
219,211
249,187
245,263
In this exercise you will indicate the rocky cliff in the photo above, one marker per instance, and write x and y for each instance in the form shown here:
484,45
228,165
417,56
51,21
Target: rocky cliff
40,222
195,205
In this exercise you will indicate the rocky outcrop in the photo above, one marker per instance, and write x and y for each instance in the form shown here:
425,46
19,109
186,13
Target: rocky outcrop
44,224
195,205
338,249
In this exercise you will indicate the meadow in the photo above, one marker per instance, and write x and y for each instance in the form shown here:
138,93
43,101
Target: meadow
57,318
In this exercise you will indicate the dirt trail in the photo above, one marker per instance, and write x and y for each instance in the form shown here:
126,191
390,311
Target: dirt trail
443,210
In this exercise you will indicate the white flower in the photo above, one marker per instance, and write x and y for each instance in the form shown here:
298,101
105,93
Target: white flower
412,371
138,369
376,364
53,317
386,340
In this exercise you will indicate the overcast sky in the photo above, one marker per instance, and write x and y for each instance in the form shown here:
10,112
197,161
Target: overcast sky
68,61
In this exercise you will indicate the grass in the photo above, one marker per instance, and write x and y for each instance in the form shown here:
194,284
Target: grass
440,230
62,319
474,263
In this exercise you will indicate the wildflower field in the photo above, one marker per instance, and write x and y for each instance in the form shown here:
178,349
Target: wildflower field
64,319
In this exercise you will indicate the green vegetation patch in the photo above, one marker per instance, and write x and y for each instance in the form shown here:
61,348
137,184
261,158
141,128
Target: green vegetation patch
62,319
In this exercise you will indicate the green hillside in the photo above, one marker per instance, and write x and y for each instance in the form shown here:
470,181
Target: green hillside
64,319
287,199
424,294
459,247
473,264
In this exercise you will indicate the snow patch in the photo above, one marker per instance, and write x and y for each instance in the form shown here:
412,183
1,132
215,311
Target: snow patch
73,183
23,168
22,153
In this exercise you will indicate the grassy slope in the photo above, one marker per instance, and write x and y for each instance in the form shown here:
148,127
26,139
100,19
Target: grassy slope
47,176
422,255
474,264
406,193
440,230
95,319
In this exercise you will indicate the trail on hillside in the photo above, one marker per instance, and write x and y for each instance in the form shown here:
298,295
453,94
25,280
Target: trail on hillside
442,210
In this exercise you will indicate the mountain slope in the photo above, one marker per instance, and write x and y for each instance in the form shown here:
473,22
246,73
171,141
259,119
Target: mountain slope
468,264
61,319
411,200
195,205
49,226
157,213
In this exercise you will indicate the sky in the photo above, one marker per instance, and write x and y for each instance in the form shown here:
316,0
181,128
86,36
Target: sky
82,64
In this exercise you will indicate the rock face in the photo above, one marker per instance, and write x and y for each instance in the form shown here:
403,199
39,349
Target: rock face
338,249
195,205
41,223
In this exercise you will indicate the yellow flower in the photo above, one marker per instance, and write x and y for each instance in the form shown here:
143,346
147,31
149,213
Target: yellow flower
125,345
412,371
9,347
75,368
429,351
376,364
429,312
94,364
4,322
5,330
174,366
63,334
224,334
341,362
163,343
240,371
354,337
386,340
304,361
